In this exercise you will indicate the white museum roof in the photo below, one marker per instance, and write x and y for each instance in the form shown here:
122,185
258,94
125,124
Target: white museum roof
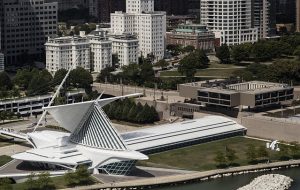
179,132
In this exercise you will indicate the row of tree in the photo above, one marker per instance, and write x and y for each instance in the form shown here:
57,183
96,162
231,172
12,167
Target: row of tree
179,49
8,115
261,51
38,82
256,155
286,71
128,110
43,181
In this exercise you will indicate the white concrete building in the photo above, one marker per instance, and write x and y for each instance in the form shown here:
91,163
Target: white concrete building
66,52
231,19
101,50
147,24
126,47
1,62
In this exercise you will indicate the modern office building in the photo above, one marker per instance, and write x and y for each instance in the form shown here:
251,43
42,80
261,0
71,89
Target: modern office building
149,26
231,20
101,50
92,141
172,7
232,93
69,4
25,27
192,35
2,67
101,9
66,52
126,46
286,11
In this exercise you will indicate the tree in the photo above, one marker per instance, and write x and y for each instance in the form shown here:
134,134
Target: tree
190,63
118,111
3,116
154,115
5,184
240,52
220,158
131,72
44,181
31,183
70,179
188,49
23,77
146,72
162,64
105,74
40,83
5,82
251,152
59,76
83,175
223,54
80,78
132,113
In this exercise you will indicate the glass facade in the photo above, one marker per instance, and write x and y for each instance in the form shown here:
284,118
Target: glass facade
118,168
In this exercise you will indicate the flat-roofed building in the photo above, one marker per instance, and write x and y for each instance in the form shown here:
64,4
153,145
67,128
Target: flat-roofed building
232,93
194,35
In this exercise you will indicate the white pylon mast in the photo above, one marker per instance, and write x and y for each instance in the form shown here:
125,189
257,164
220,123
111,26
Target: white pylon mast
55,94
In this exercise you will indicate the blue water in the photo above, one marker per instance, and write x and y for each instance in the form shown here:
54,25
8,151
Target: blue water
234,182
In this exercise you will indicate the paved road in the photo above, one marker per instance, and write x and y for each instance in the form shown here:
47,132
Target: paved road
117,89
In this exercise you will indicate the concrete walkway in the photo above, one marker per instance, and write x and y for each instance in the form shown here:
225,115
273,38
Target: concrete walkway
13,149
190,176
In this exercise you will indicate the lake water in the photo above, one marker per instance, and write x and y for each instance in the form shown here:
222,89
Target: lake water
234,182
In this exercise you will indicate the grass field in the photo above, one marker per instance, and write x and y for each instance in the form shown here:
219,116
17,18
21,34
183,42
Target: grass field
213,72
59,183
4,160
201,157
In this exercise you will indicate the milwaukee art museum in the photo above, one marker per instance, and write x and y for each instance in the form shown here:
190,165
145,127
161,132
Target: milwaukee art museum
92,141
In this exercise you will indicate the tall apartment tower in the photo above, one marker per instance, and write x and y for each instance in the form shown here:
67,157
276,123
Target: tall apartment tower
264,17
141,20
230,20
25,26
297,15
1,62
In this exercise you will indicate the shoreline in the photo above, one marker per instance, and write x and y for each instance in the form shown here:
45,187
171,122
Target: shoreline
194,177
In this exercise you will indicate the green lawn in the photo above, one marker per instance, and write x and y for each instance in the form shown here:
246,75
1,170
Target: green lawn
4,160
59,183
218,73
201,157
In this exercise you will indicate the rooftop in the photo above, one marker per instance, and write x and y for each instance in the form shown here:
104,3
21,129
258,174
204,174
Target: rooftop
231,86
